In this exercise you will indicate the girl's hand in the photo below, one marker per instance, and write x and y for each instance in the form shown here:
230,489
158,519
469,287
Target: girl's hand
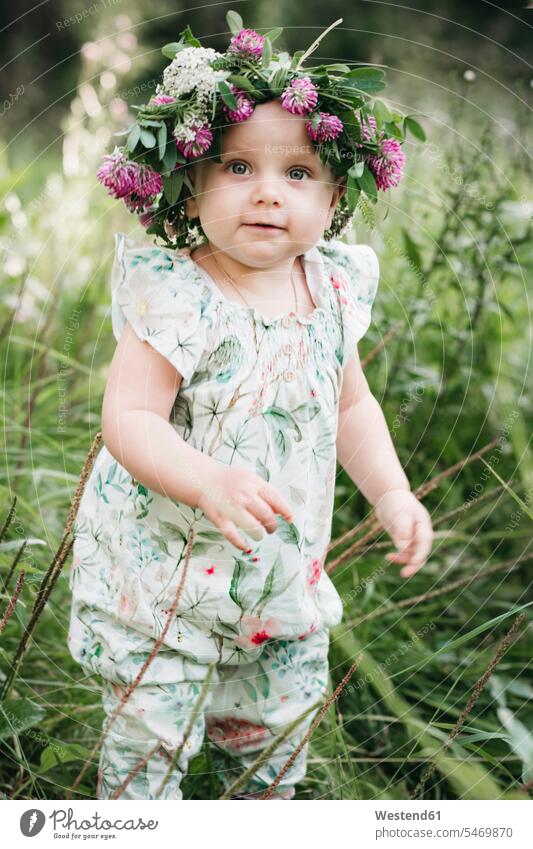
409,524
238,498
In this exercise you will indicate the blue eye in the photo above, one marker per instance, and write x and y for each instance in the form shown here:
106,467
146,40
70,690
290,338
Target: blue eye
302,170
236,163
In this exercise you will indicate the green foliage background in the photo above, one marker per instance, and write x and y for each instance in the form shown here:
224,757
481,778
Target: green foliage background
453,325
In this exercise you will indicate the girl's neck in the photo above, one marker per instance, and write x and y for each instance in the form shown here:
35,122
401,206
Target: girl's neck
253,282
269,290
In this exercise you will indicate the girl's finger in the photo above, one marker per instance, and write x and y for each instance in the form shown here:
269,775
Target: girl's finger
403,537
412,567
260,508
424,538
231,533
407,571
250,525
404,541
397,557
413,543
278,504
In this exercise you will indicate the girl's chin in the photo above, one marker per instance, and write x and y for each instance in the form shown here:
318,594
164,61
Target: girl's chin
253,251
257,247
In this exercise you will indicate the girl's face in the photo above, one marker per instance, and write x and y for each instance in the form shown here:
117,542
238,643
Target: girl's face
270,173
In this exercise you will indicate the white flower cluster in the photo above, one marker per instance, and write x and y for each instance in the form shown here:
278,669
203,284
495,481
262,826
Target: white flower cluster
190,120
190,71
194,236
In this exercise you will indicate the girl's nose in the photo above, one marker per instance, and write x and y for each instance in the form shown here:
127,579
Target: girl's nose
268,191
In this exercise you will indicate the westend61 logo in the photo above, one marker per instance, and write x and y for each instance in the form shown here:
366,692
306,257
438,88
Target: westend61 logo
65,826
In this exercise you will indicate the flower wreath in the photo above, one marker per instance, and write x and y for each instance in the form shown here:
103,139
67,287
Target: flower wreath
202,91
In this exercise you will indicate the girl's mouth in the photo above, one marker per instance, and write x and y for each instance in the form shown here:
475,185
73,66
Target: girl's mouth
264,226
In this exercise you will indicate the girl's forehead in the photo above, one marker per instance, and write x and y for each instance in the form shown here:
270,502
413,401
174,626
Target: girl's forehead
266,145
270,134
268,148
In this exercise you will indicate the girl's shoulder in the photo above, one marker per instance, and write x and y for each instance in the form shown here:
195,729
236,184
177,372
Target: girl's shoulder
133,255
359,262
353,271
163,297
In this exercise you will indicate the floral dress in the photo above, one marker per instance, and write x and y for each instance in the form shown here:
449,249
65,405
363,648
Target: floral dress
257,392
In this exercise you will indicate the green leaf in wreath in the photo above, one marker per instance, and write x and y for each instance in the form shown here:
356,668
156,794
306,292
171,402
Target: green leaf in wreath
415,128
296,58
227,95
234,21
188,38
266,56
368,80
172,186
353,192
357,168
133,138
162,140
381,112
170,50
274,33
241,82
147,138
171,155
395,131
367,184
278,80
343,69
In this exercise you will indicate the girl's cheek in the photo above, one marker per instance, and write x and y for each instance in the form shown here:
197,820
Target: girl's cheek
222,189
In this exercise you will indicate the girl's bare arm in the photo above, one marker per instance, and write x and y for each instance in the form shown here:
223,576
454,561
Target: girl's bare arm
366,451
364,444
140,392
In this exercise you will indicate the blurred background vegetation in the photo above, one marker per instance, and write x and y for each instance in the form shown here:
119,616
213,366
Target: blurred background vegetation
447,356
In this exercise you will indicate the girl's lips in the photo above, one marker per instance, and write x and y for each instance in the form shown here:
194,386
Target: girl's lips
266,227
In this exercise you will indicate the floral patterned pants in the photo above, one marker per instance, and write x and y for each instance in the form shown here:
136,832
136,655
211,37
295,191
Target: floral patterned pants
245,706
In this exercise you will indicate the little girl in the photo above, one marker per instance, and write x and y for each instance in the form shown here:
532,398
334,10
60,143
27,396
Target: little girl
234,388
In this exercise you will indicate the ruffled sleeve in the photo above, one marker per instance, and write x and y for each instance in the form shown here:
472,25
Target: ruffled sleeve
158,292
355,277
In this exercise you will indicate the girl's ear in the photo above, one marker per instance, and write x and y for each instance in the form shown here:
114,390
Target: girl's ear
191,207
339,189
